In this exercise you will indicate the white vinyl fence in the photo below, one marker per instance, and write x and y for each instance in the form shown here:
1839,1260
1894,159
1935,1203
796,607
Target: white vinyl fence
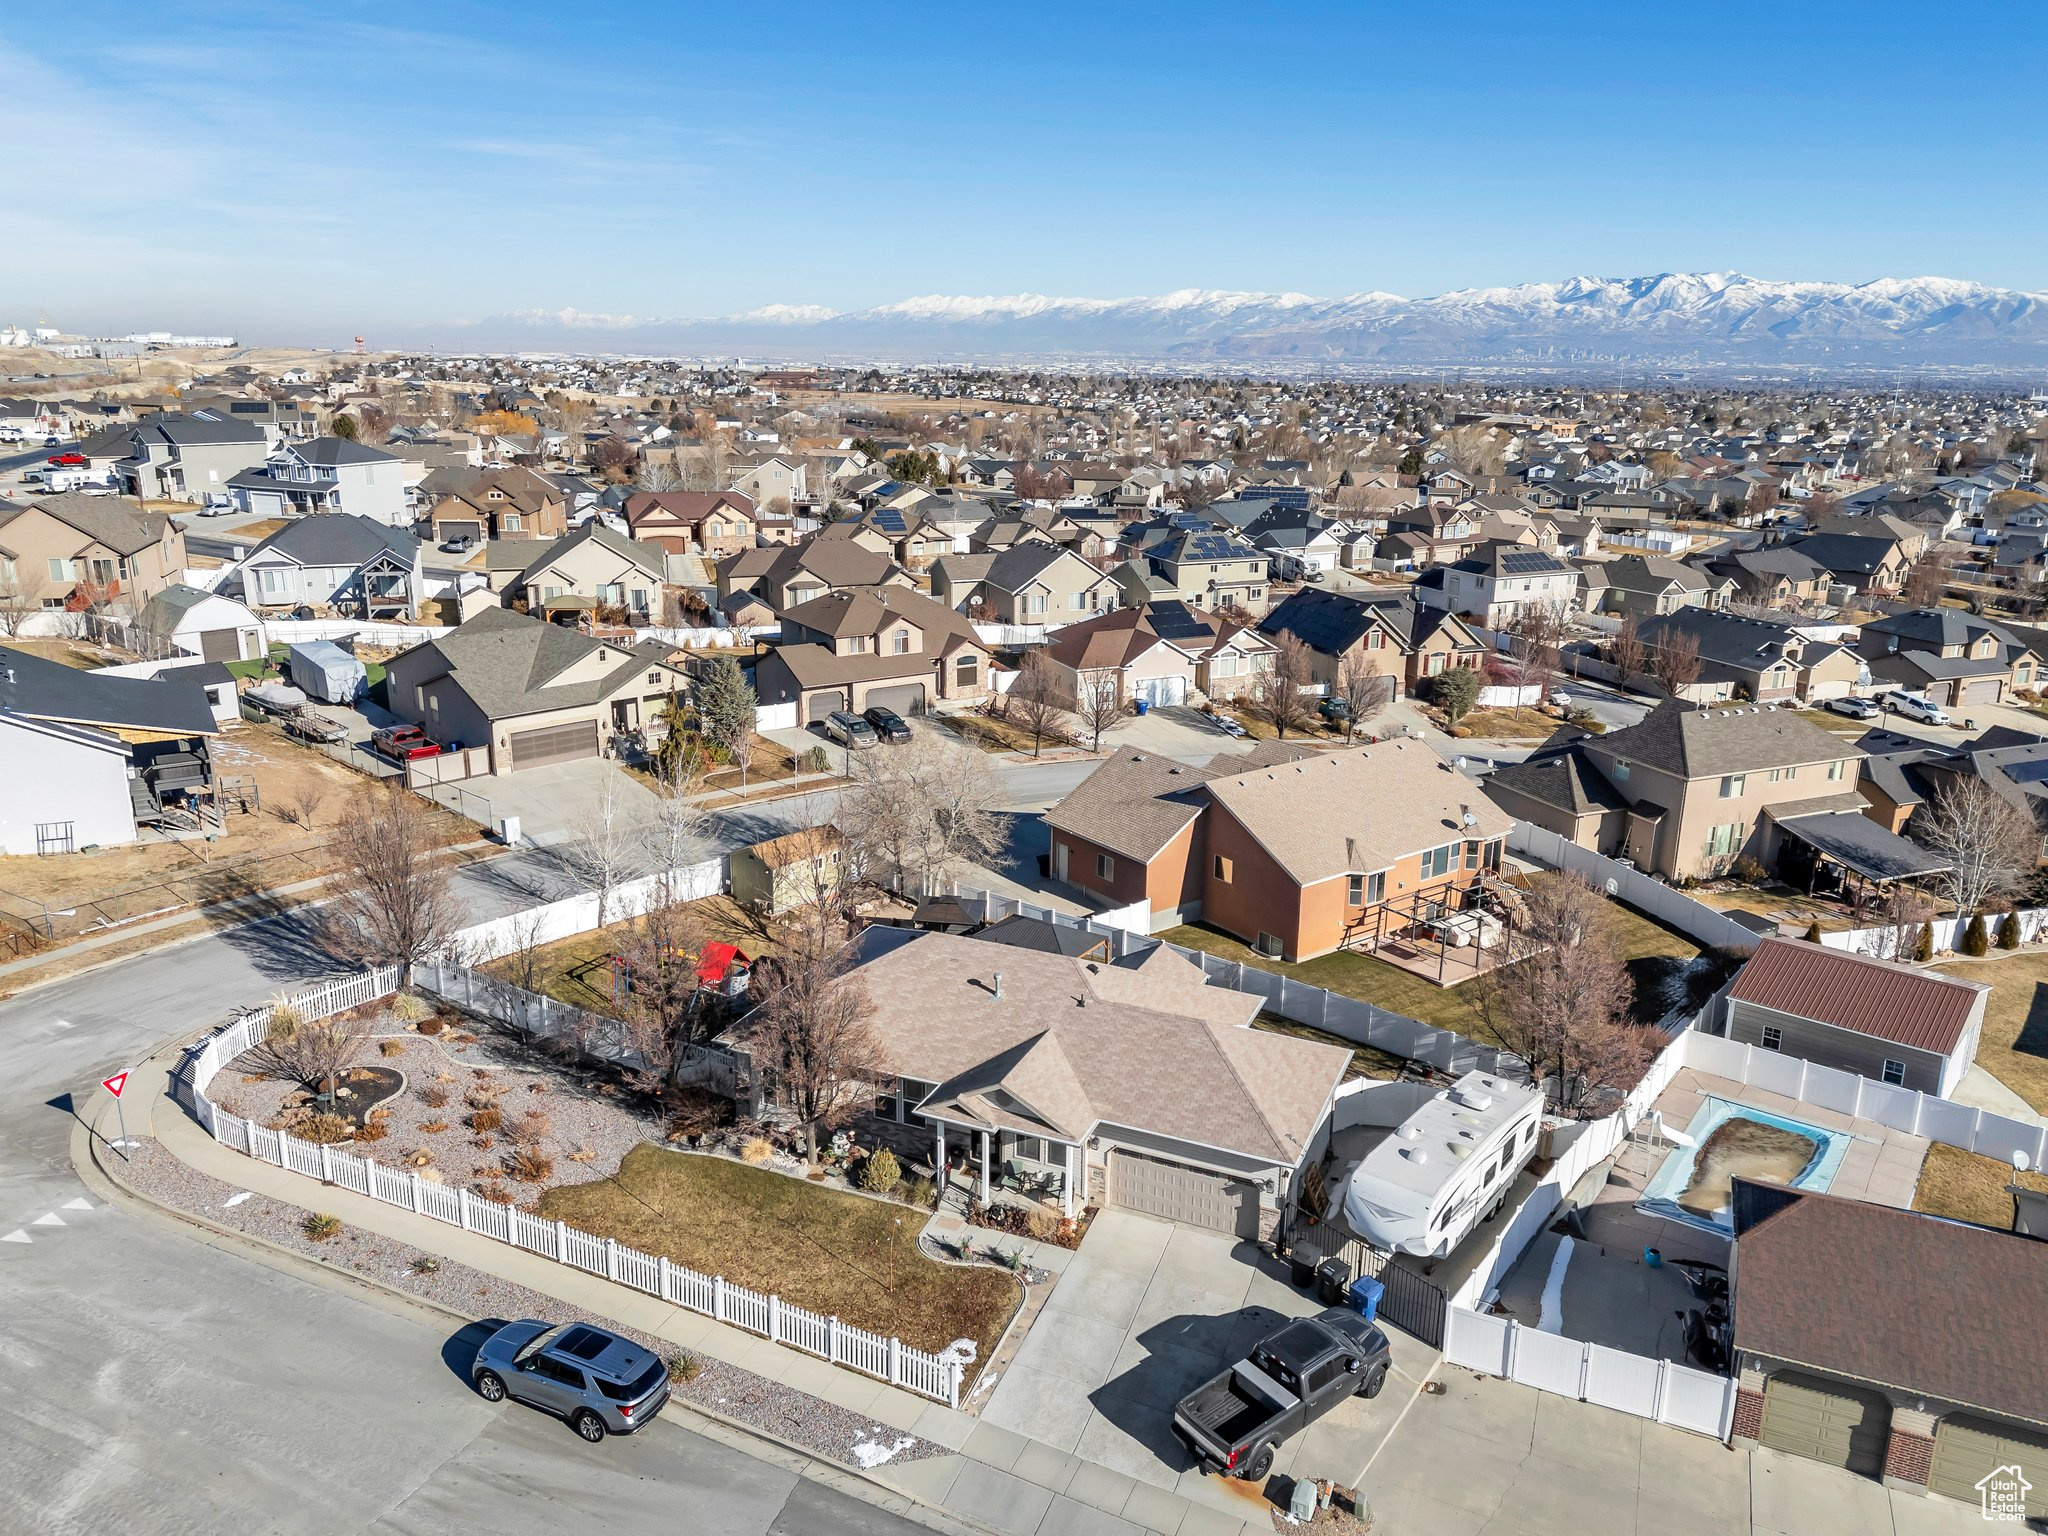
1948,933
1662,1390
376,632
1676,908
935,1376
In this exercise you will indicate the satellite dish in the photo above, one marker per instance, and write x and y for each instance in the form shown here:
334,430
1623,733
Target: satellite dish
2020,1160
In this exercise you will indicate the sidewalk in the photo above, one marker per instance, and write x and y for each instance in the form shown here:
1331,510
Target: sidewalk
996,1480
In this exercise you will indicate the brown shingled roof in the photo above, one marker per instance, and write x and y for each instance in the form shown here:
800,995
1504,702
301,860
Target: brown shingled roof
1931,1307
1871,997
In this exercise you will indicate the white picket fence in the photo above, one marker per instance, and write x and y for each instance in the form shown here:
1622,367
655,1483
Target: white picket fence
934,1376
1662,1390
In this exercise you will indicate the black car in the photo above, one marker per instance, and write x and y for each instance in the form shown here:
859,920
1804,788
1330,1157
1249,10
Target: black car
887,723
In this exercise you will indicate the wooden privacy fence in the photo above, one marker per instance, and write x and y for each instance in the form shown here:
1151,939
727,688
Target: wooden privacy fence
935,1376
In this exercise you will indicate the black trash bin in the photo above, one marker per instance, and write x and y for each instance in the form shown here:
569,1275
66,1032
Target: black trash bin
1302,1271
1333,1282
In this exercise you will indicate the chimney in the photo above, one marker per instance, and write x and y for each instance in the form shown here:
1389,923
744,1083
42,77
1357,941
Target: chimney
999,986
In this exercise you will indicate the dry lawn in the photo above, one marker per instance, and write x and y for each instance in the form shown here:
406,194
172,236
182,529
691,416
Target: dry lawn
2014,1047
1366,1060
834,1253
1509,724
72,653
577,970
1967,1187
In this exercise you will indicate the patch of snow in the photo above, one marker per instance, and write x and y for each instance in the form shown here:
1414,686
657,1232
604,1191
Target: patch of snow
1552,1318
872,1453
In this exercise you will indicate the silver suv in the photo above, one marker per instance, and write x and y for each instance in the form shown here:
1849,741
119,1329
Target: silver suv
596,1380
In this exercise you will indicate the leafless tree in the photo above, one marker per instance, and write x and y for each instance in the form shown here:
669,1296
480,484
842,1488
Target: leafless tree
813,1036
1926,580
673,833
1625,649
1034,700
1990,843
1364,688
660,960
395,899
1281,696
317,1052
607,847
21,599
659,472
1101,704
524,960
1531,656
915,815
1903,912
1675,661
307,802
1562,1003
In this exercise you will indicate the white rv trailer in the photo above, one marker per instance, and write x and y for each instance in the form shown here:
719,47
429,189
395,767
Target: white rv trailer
1446,1166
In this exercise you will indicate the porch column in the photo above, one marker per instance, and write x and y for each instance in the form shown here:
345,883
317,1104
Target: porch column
1073,1163
938,1153
984,1165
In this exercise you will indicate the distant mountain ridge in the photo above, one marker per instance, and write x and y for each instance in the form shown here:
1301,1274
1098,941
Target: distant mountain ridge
1710,317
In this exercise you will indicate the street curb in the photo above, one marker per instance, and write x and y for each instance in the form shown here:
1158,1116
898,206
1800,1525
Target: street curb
91,1166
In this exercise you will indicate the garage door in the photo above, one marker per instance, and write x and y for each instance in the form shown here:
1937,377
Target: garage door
221,644
819,705
905,698
1983,690
1825,1422
1193,1196
1968,1450
553,744
1157,691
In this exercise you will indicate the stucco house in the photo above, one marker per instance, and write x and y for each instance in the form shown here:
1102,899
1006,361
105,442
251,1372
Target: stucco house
175,457
1028,583
1754,660
1398,635
512,503
713,523
854,650
76,551
327,474
1133,1083
535,693
1161,653
347,563
1950,657
786,576
1497,582
591,570
1204,568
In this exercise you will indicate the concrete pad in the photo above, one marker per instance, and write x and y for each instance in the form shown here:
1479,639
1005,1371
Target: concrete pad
1124,1240
1077,1348
1502,1412
1190,1317
1543,1501
1449,1465
1039,1404
1210,1522
1161,1375
1339,1444
998,1500
1406,1511
1100,1292
1156,1509
1276,1294
1066,1518
1791,1496
1045,1466
1134,1439
930,1479
1100,1488
1208,1261
1601,1442
1931,1514
1673,1508
994,1445
943,1426
1677,1459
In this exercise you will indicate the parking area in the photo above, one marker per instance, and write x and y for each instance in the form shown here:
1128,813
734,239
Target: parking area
1144,1313
551,800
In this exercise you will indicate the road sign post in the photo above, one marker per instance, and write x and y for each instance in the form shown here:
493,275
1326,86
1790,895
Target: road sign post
115,1085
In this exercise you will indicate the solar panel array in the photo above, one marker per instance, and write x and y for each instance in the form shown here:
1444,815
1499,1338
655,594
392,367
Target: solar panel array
890,520
1211,546
1173,621
1525,562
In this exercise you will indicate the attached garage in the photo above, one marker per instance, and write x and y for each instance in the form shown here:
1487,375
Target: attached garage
1160,691
1980,690
1966,1451
457,528
1826,1422
553,744
905,698
819,705
1192,1196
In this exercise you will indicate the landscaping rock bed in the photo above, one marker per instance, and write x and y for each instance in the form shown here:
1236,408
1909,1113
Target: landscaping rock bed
478,1113
823,1428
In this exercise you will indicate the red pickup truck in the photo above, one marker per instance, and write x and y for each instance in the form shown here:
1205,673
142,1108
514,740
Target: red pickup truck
402,743
66,460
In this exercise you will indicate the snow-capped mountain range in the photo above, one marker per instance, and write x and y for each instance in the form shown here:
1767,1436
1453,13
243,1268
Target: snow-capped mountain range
1711,317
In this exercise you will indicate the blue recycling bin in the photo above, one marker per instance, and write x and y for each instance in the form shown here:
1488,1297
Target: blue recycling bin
1365,1297
1141,705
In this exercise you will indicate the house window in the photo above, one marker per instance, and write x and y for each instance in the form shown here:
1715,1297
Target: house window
1724,839
511,522
966,671
1437,861
1224,869
1105,866
1620,773
1731,786
1894,1072
899,643
1354,891
1031,1149
1774,1038
63,570
1783,775
1835,770
1472,855
653,678
1375,888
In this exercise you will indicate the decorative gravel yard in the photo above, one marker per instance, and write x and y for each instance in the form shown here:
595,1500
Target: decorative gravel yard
839,1254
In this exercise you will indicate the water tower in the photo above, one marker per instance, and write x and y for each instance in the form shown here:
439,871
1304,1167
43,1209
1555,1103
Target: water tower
359,345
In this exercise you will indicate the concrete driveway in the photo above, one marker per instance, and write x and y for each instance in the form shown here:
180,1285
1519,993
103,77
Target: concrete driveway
550,800
1146,1312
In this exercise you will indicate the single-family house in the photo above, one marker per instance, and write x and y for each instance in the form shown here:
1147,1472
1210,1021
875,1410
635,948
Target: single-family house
714,523
176,457
775,481
1947,655
76,551
787,576
1203,568
1648,585
1028,583
535,693
1752,660
886,646
1497,583
347,563
592,570
327,474
1398,635
513,503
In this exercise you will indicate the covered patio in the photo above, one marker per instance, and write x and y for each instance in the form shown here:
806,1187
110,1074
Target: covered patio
1031,1166
1828,846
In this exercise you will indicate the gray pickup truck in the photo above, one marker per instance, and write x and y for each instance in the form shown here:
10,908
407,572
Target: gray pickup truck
1291,1378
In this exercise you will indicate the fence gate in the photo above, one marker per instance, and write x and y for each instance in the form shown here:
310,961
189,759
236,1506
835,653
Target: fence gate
1412,1302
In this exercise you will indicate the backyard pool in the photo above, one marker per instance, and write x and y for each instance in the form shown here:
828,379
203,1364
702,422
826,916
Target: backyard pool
1731,1141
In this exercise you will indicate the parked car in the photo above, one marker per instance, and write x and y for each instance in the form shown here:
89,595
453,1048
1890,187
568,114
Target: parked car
66,460
1235,1422
846,727
1914,707
458,544
308,726
217,505
1561,699
1855,709
402,743
887,723
600,1383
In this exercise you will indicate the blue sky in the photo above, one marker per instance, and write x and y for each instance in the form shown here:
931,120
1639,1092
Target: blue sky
303,173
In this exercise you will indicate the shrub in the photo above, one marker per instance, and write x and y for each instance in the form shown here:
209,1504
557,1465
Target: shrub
582,1154
816,760
434,1127
494,1191
373,1129
391,1047
1813,932
285,1020
434,1098
323,1129
407,1008
425,1264
685,1366
419,1157
486,1119
531,1126
481,1097
1976,939
1748,870
922,1191
1041,1225
2009,931
483,1143
756,1150
530,1165
431,1026
321,1227
1923,946
880,1173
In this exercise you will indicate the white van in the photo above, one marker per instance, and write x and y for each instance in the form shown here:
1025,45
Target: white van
1914,707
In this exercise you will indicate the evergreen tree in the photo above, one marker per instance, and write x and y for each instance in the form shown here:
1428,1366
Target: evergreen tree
1813,932
725,704
1975,939
2009,931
